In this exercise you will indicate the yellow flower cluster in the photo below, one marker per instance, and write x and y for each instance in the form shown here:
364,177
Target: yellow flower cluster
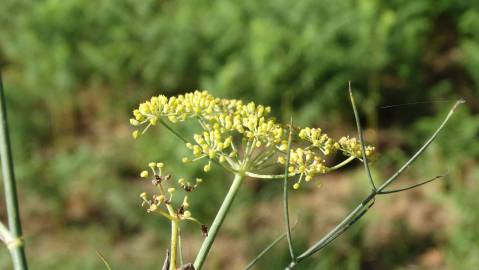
242,136
175,108
305,163
319,140
352,147
219,118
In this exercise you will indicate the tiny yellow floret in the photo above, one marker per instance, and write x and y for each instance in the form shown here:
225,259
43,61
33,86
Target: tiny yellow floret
187,214
144,174
207,167
135,134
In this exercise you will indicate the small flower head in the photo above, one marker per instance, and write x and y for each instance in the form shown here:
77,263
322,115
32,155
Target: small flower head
165,201
207,167
352,147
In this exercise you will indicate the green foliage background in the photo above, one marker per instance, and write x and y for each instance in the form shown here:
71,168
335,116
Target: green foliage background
74,70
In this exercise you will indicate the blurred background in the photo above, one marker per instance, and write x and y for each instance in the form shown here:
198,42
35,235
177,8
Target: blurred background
74,70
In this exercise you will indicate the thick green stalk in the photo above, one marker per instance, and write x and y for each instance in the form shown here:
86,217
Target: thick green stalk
16,247
218,221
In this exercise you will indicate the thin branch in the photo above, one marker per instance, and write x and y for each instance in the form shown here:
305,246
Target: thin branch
342,230
361,138
338,229
281,176
105,262
166,263
423,148
177,134
266,176
285,197
411,187
343,163
267,249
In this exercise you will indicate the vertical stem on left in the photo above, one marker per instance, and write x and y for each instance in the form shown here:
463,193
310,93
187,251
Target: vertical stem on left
174,244
16,246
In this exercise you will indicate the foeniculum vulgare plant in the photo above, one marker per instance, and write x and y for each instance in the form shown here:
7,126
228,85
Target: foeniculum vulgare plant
245,140
240,138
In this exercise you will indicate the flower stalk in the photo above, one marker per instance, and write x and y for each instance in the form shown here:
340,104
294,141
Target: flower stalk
218,221
15,244
174,244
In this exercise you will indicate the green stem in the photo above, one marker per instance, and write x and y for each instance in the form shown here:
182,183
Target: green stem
17,251
218,221
180,248
285,197
342,164
361,138
281,176
174,244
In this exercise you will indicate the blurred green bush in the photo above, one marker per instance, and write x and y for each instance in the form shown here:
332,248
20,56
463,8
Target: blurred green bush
74,69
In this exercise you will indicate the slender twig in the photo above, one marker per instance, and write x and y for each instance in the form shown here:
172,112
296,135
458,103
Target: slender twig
411,187
423,148
177,134
361,138
15,227
166,263
267,249
285,197
267,176
281,176
319,245
102,258
343,163
355,218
